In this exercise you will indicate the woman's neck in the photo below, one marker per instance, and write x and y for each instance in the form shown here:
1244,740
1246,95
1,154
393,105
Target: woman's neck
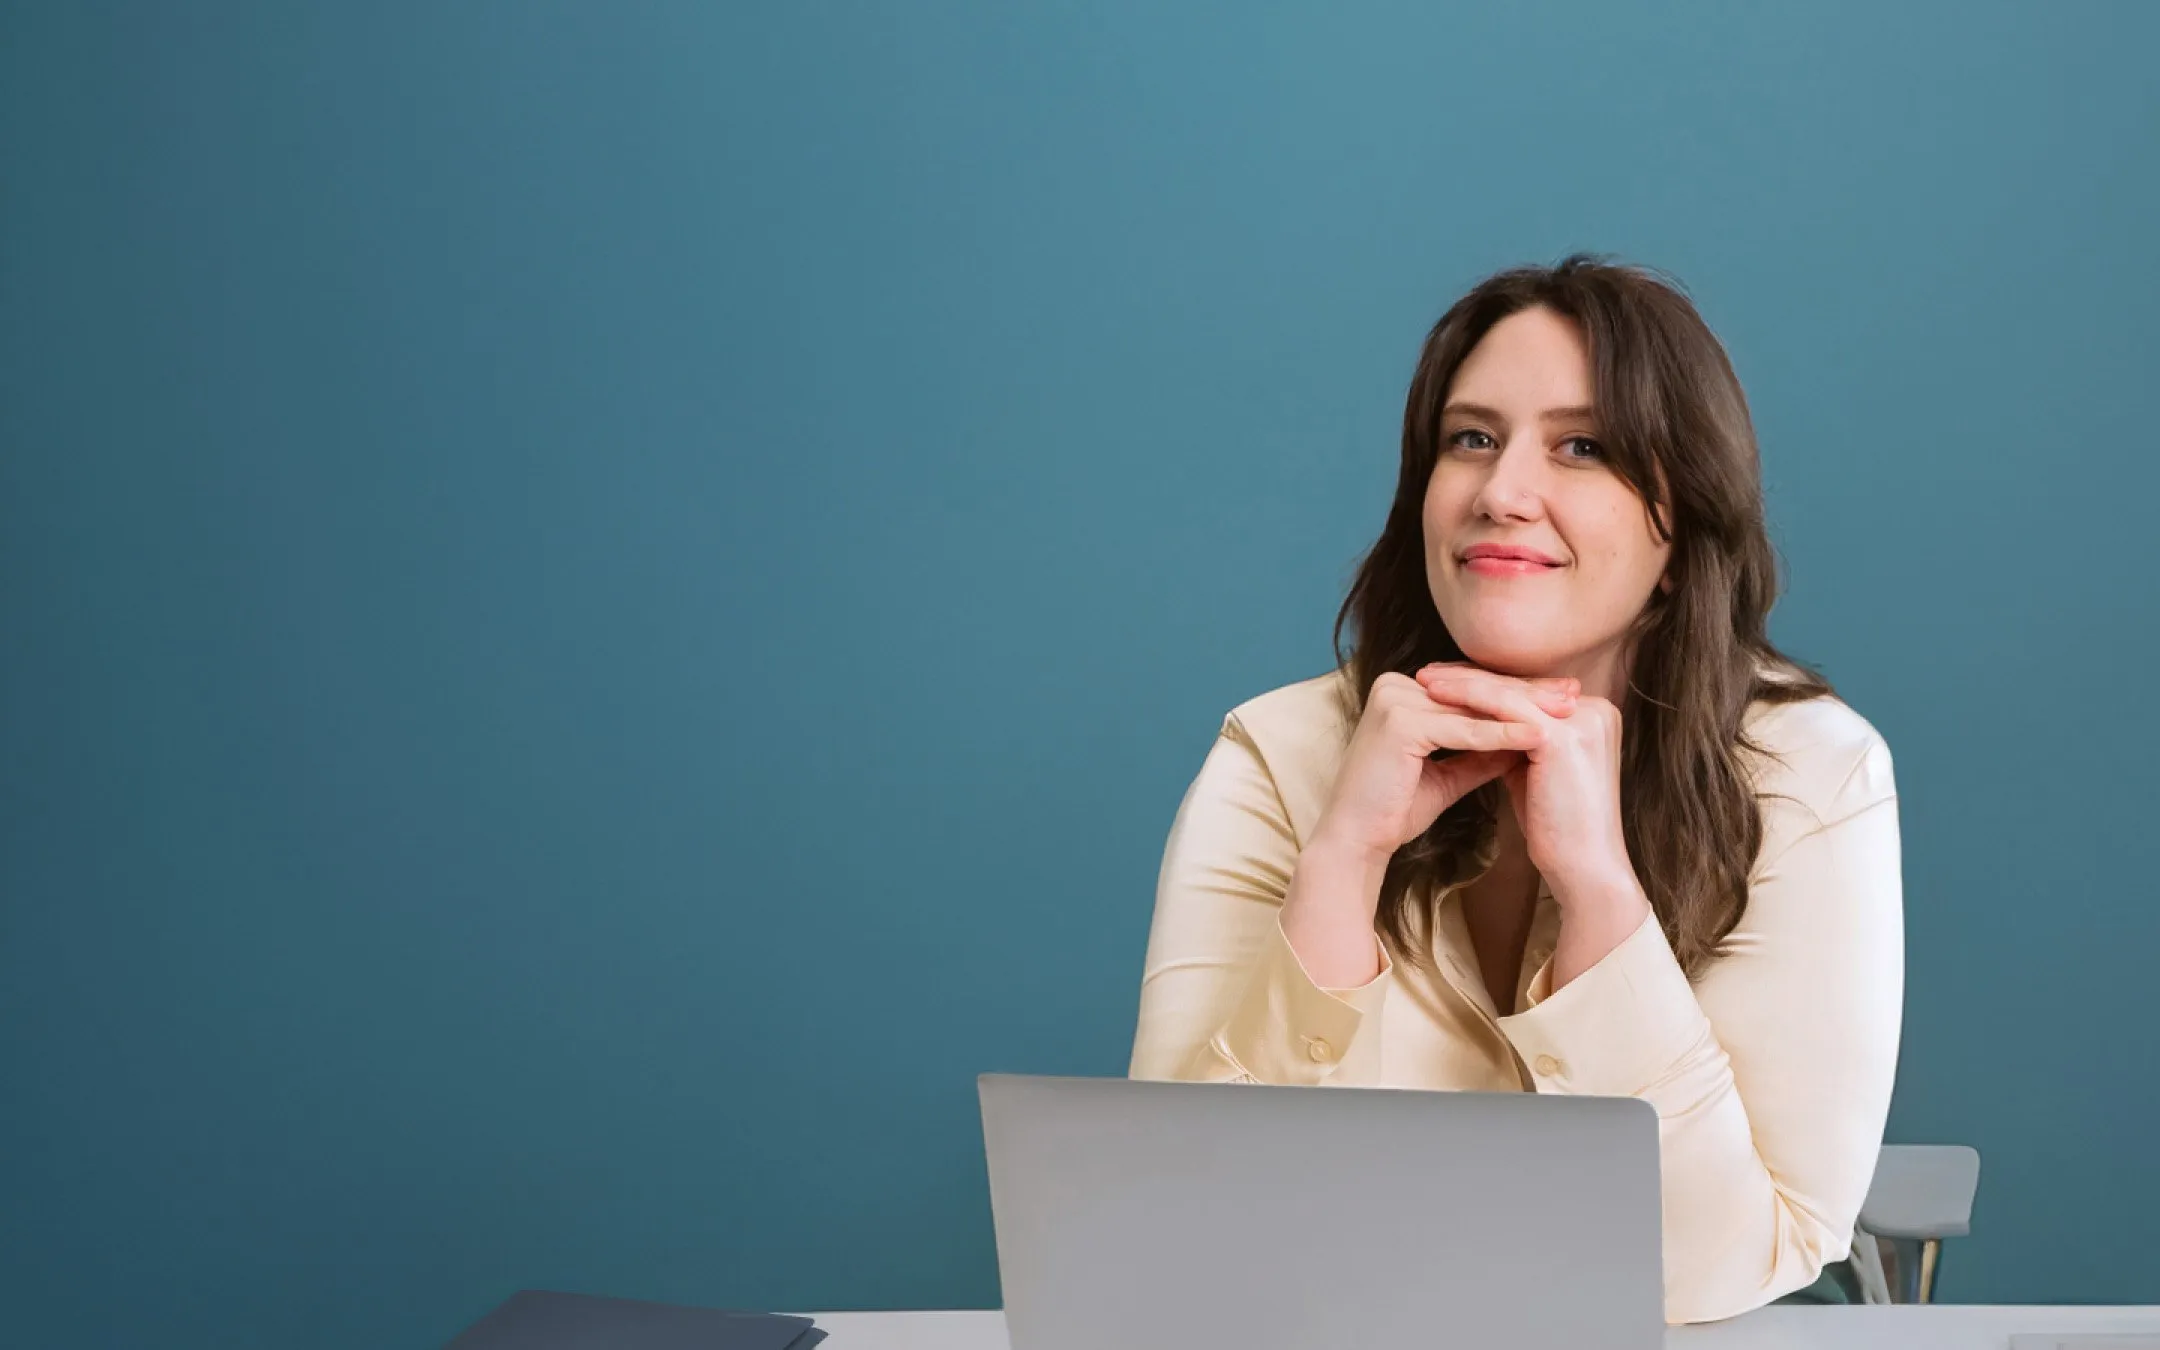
1602,674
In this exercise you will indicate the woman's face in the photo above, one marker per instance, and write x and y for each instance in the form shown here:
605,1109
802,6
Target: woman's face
1539,555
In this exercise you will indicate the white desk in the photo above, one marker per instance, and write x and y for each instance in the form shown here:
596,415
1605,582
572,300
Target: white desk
1939,1327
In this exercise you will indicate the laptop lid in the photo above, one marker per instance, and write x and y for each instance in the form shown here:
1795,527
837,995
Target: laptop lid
1146,1214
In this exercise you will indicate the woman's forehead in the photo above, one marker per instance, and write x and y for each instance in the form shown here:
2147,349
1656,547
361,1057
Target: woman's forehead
1530,364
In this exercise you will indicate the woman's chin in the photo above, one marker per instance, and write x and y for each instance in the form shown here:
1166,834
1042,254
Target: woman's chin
1521,659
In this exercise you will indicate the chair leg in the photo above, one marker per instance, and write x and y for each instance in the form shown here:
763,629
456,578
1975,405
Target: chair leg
1917,1261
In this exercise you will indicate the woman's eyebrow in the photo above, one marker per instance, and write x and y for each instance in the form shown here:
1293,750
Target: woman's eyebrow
1581,413
1475,411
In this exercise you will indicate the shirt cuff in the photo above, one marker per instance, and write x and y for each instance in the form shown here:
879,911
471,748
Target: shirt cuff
1615,1030
1287,1029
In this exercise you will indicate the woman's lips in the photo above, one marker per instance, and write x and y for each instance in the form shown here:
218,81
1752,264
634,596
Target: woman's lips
1507,567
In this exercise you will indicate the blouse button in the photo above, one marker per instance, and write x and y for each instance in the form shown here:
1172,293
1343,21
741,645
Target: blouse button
1319,1049
1547,1067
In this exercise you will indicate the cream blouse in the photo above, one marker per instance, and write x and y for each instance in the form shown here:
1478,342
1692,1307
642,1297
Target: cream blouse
1771,1073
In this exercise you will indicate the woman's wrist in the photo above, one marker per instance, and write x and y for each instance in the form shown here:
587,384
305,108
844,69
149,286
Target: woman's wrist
1328,913
1608,889
1338,878
1598,877
1596,916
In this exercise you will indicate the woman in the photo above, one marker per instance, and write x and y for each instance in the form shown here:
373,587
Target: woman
1564,820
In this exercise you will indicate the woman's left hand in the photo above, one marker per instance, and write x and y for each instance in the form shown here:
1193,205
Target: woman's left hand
1567,798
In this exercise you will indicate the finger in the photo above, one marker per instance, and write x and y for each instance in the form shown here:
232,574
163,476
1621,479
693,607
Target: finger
1554,681
1496,695
1543,681
1459,670
1437,728
1465,773
1515,778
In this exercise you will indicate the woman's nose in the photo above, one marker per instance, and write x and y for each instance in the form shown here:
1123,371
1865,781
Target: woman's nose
1510,490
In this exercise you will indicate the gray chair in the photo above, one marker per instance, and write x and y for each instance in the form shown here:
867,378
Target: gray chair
1921,1194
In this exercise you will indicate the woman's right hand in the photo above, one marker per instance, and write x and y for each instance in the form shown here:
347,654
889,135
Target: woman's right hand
1388,791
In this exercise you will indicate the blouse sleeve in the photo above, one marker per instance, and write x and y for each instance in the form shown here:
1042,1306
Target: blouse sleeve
1223,997
1772,1075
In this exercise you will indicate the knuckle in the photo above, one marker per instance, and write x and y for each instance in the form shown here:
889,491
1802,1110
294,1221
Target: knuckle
1392,685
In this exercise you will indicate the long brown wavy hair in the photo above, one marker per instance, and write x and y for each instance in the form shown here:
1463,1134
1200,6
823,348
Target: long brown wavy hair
1675,426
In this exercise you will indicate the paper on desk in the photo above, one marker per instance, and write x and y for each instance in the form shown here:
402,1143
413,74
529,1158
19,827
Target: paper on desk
537,1319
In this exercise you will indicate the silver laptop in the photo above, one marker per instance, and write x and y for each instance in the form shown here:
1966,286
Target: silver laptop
1186,1216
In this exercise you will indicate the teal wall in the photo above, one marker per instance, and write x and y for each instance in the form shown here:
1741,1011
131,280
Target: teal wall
604,603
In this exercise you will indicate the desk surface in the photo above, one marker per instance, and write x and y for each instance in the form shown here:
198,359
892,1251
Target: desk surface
1941,1327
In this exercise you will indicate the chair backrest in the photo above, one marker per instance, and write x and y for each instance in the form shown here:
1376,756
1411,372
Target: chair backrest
1922,1192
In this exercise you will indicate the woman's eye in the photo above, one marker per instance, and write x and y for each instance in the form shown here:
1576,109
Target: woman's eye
1469,438
1582,447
